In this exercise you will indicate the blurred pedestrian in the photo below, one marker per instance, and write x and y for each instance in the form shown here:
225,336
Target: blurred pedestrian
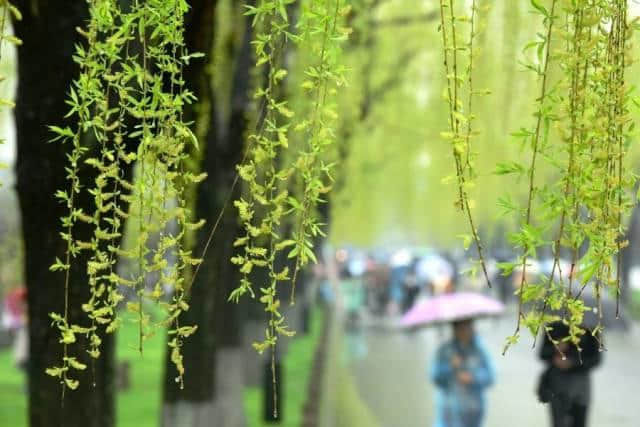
502,280
397,291
462,371
437,273
353,299
399,268
352,294
566,384
15,321
411,288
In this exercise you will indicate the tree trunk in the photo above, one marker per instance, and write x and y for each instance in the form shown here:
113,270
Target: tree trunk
214,381
46,70
192,406
221,167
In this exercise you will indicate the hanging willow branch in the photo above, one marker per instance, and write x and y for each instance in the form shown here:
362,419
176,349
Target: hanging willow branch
461,131
269,202
526,239
322,81
8,11
262,213
273,165
128,103
587,106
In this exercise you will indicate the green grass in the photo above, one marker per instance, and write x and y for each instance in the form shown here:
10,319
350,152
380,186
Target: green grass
296,370
13,402
137,407
341,392
140,405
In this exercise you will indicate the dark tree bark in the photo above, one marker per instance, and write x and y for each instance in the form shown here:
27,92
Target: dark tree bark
209,366
221,167
220,162
46,70
199,349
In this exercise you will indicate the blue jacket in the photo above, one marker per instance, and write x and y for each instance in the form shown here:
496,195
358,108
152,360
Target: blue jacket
460,405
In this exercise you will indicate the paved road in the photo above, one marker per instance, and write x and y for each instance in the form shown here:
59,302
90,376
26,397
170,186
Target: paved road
391,378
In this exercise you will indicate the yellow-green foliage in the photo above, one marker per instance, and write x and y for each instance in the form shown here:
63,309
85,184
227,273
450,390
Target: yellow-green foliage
130,89
274,165
8,11
582,129
459,65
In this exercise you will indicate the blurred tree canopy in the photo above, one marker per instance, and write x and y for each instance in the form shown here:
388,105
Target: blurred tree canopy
396,191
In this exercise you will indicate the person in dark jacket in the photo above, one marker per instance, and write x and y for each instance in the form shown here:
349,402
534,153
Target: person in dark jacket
568,383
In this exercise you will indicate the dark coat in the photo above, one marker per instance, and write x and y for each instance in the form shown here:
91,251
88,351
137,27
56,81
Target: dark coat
583,361
571,384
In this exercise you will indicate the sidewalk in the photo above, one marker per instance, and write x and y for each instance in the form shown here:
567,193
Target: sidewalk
392,378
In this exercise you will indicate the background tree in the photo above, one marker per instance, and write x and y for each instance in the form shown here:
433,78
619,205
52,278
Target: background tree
214,358
46,70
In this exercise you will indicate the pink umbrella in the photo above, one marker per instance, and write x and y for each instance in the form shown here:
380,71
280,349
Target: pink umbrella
451,307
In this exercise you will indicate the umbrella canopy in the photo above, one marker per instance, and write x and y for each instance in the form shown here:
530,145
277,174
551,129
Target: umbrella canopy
357,265
400,258
433,268
451,307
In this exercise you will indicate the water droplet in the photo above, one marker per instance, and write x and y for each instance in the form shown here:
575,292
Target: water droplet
177,379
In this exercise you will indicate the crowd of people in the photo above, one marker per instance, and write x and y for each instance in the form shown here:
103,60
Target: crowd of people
396,284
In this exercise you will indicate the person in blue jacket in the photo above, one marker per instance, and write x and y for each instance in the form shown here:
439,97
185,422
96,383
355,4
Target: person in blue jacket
462,371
